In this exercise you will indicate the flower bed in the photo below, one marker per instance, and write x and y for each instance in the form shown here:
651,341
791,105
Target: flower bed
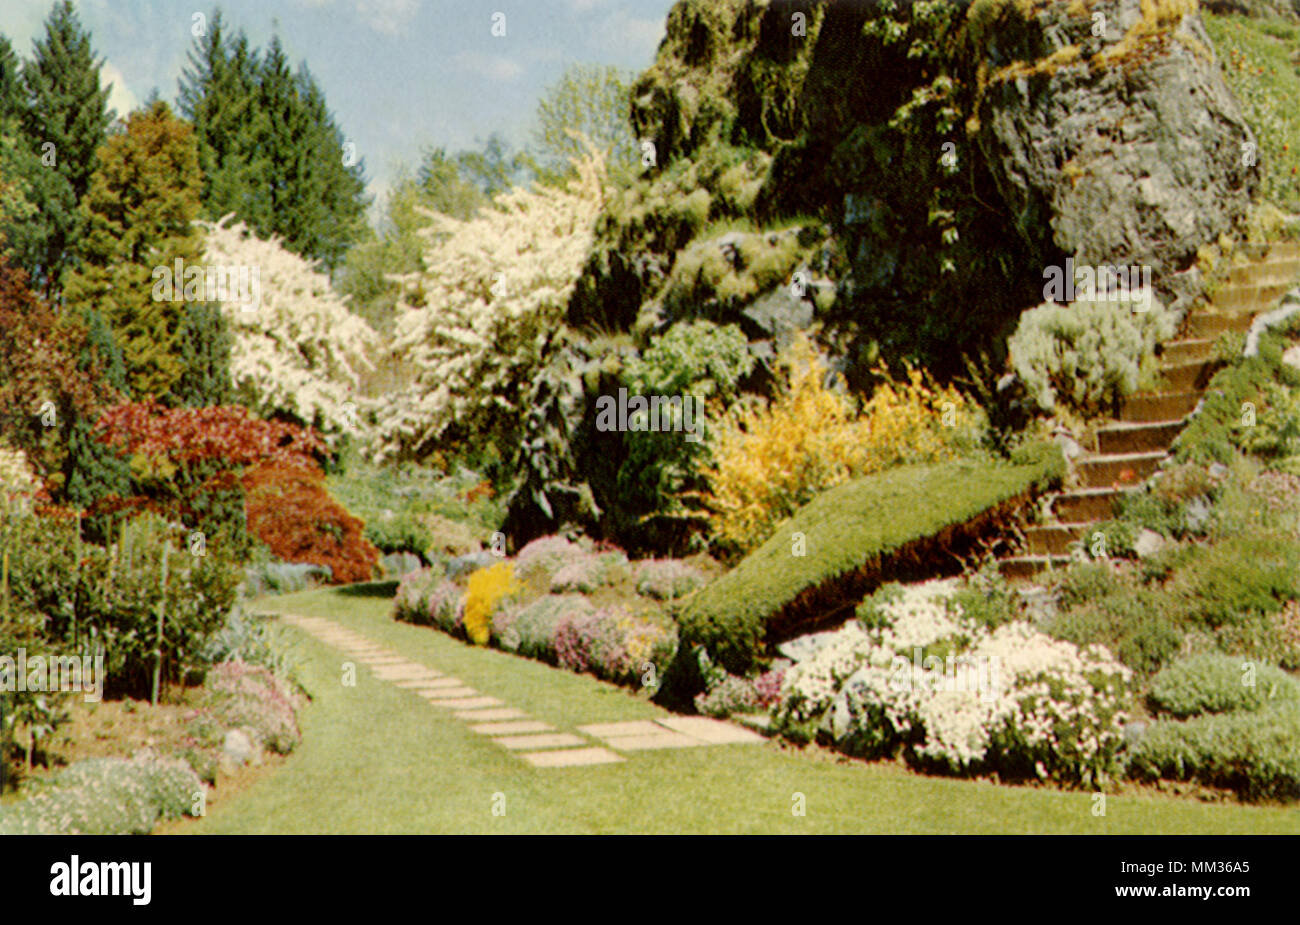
536,605
917,678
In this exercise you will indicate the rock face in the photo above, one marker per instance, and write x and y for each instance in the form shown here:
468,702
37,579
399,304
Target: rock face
936,165
1130,152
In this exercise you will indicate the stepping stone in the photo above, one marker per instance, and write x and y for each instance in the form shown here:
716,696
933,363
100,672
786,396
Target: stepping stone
664,738
713,731
448,693
545,740
406,673
416,684
468,703
633,728
442,682
482,715
570,757
512,728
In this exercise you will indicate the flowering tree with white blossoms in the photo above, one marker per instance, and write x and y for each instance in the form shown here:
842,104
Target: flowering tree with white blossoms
475,325
298,348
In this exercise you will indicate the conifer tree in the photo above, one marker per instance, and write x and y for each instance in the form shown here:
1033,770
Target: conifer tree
65,120
11,86
205,341
218,95
269,147
139,212
92,471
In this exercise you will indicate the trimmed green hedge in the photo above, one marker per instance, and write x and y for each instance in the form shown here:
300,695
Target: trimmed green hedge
855,536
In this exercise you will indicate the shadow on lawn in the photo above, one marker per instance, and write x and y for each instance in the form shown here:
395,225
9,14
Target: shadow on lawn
369,589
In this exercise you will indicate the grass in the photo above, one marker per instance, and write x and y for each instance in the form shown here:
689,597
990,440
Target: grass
855,536
1256,59
377,759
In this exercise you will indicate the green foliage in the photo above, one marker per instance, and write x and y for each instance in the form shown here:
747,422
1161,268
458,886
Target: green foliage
1233,395
65,117
697,359
269,144
138,211
1256,57
403,533
849,535
205,341
1087,355
593,101
1256,753
1213,683
1133,622
106,796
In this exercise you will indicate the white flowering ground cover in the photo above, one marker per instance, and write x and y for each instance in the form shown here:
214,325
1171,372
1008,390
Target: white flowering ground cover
952,696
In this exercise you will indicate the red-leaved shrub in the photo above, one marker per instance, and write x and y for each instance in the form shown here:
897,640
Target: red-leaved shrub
291,512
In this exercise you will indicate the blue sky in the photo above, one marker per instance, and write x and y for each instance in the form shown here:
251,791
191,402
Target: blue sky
399,74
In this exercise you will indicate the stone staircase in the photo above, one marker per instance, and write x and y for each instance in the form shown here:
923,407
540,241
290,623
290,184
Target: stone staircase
1130,448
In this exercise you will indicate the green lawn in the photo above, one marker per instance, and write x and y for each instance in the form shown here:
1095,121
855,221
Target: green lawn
378,759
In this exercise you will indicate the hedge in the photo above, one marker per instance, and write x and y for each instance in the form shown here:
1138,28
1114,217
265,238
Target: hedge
885,526
1256,753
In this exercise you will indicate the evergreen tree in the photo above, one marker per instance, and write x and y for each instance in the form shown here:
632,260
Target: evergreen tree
218,95
270,148
11,86
139,212
92,471
205,342
64,123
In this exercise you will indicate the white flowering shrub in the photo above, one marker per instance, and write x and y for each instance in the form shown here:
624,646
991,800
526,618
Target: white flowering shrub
917,676
474,325
298,348
1089,354
16,476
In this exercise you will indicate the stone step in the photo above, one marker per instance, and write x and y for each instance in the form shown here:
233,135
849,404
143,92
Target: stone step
1187,349
1212,324
1085,505
1159,406
1265,272
1255,298
1183,377
1137,437
1053,539
1119,469
1276,250
1014,567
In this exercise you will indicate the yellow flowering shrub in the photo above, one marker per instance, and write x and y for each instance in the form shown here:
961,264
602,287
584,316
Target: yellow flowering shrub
770,458
487,588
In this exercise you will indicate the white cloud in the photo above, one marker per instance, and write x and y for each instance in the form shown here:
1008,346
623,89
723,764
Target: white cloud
494,67
120,96
638,35
387,16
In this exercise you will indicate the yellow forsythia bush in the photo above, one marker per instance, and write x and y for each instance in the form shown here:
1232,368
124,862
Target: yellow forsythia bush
487,587
770,458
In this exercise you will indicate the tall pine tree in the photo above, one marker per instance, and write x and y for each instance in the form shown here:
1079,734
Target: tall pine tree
270,149
218,95
64,122
139,211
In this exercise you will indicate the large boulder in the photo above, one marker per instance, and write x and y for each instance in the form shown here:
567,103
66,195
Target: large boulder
1125,147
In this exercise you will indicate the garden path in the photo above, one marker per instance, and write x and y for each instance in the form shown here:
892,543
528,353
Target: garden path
538,743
